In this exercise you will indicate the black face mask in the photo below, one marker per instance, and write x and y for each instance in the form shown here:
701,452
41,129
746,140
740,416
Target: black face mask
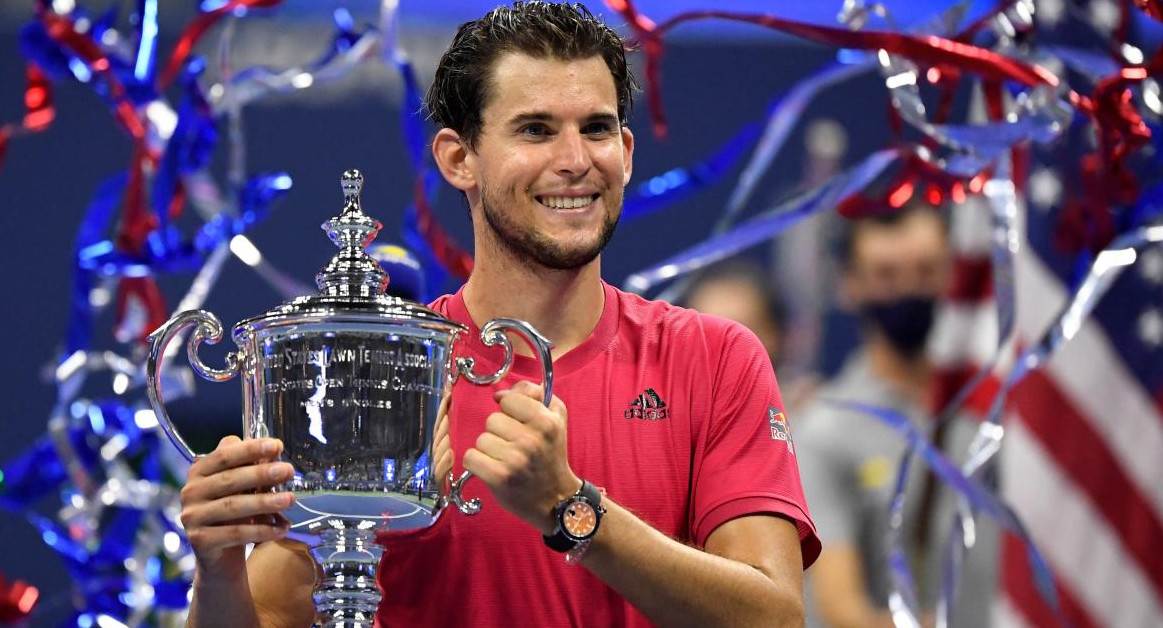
905,322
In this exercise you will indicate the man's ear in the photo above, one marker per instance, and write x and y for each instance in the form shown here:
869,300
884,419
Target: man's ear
627,155
454,159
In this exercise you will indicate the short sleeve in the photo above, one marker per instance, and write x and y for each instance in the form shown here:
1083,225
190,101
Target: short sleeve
827,479
745,458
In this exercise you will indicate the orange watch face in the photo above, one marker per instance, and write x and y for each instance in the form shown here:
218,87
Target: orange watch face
579,519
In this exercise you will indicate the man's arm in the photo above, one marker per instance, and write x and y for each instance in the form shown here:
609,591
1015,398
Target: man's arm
282,578
750,575
273,592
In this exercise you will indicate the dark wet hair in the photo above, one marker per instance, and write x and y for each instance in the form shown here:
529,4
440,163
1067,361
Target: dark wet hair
564,31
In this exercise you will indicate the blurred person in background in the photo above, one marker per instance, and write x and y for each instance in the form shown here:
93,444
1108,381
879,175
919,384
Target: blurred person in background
894,268
739,290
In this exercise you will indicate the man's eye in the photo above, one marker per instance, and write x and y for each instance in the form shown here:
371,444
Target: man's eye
535,130
598,128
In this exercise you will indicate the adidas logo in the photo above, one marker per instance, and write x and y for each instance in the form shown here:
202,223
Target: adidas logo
647,406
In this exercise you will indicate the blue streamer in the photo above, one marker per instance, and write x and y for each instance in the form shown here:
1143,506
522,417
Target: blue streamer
190,147
36,46
1002,197
93,224
145,66
783,114
411,111
968,487
59,63
168,256
104,23
30,476
1148,209
767,225
434,274
57,538
971,487
678,183
347,47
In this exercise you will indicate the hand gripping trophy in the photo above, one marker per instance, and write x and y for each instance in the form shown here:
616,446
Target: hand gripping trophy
351,381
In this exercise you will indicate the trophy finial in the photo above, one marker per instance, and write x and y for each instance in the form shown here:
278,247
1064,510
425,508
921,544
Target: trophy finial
352,184
352,272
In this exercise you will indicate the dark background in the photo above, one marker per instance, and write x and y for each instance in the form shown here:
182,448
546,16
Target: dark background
715,80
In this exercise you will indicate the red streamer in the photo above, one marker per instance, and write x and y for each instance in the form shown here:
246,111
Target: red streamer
1105,177
145,292
137,222
1153,8
39,110
197,29
17,599
63,31
453,258
916,181
928,50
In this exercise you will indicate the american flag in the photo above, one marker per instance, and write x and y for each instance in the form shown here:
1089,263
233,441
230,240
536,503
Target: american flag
1082,457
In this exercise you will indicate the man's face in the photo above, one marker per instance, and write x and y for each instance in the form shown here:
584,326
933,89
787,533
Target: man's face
551,160
889,262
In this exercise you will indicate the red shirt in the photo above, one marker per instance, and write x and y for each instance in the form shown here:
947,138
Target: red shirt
675,414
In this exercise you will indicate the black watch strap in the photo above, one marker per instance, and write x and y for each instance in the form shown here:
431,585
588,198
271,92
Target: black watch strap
558,541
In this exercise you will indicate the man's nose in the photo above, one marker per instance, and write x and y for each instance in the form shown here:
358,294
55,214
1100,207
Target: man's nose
572,156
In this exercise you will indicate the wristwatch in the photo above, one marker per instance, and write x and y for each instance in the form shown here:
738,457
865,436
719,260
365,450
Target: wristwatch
576,519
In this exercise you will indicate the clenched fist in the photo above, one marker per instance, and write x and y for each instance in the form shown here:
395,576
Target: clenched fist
521,456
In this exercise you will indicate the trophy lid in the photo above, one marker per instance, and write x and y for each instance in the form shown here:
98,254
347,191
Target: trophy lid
352,285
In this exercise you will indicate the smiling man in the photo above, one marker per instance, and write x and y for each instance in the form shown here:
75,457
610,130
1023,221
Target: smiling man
659,488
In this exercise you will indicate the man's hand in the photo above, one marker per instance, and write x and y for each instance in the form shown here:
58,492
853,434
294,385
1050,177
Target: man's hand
225,504
521,456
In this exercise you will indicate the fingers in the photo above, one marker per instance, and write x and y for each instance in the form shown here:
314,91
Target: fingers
441,432
233,535
443,466
225,502
234,508
442,453
490,470
234,452
506,426
240,480
523,402
500,449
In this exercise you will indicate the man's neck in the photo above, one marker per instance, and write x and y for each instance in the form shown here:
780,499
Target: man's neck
564,305
908,374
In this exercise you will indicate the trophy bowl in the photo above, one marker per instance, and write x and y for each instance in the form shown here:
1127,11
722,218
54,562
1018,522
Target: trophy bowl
351,381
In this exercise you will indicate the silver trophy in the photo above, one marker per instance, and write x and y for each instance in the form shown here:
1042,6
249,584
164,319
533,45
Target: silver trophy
351,381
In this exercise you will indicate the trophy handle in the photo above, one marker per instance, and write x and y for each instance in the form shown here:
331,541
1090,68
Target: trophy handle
492,334
209,329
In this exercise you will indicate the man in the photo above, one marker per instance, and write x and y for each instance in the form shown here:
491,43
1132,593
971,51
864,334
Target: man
895,266
701,522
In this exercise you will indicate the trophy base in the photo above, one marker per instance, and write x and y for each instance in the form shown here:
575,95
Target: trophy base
347,595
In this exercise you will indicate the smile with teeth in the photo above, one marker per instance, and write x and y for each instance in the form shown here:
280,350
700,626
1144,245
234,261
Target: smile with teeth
567,202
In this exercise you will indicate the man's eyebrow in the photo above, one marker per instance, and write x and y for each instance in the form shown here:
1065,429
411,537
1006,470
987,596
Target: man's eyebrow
607,118
531,116
543,116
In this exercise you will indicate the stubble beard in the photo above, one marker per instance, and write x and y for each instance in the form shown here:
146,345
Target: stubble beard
527,243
